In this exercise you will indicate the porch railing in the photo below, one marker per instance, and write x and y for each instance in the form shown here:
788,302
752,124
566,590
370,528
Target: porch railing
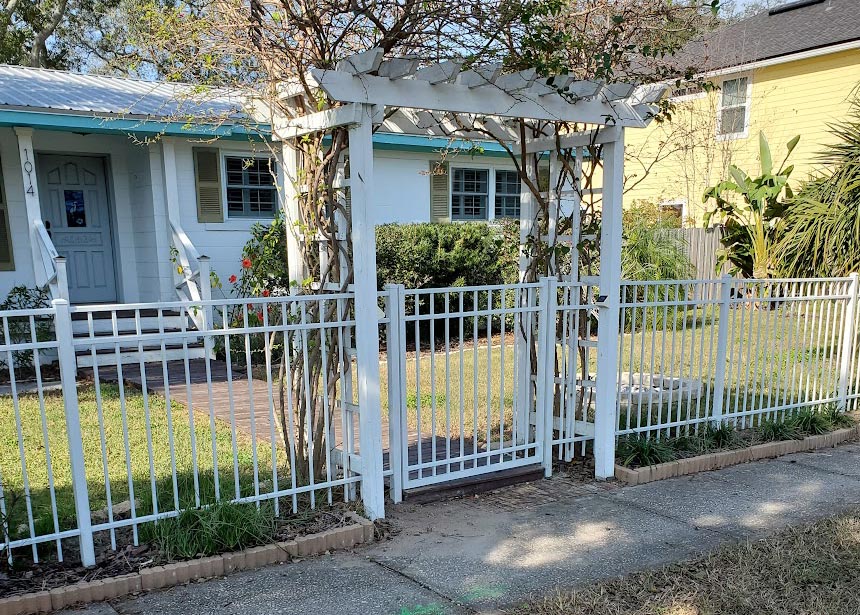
50,268
193,273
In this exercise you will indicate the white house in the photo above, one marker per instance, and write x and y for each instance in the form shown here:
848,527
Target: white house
101,168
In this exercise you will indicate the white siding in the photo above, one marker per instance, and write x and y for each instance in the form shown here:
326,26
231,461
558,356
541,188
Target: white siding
139,215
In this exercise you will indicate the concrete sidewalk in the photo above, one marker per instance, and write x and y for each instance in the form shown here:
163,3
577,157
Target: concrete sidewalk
480,554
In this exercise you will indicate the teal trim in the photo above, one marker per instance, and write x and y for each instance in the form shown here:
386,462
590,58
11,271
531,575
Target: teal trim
418,143
67,122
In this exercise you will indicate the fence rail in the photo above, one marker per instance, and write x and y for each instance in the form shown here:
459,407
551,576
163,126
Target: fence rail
755,350
119,416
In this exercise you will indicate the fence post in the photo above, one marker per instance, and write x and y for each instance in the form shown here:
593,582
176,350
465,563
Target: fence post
396,357
62,281
722,348
609,310
848,324
68,375
545,397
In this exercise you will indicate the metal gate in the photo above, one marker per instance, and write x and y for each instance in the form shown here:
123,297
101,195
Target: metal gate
489,378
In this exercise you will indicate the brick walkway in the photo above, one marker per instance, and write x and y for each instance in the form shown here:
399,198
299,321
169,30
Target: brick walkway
252,406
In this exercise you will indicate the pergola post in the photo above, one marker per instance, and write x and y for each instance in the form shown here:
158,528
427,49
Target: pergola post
609,309
290,206
366,313
522,335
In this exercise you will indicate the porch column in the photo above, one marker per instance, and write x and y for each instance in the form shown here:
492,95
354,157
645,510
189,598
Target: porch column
163,232
31,197
608,309
366,314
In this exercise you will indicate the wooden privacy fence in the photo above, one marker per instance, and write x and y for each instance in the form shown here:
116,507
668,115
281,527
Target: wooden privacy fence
703,248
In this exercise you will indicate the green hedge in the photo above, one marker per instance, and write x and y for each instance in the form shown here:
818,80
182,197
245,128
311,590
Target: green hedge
441,255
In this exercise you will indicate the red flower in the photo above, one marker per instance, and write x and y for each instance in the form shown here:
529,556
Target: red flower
250,306
266,292
246,263
260,316
232,279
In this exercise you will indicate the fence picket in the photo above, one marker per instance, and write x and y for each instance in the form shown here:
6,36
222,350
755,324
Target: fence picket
526,350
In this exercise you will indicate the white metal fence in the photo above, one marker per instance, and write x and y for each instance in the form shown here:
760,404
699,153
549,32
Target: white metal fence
115,417
748,350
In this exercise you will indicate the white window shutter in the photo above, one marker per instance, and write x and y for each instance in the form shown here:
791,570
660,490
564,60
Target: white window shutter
440,196
207,174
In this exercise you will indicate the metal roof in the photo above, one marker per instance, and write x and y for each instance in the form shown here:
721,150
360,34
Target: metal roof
784,30
36,89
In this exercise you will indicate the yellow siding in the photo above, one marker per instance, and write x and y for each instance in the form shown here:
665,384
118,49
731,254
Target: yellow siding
679,159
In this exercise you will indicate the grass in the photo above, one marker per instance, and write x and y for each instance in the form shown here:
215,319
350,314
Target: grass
801,571
774,358
219,528
637,450
149,483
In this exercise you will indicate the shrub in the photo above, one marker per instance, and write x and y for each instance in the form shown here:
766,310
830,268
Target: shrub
436,255
751,207
23,298
219,528
820,224
264,261
652,251
837,418
771,430
811,422
636,450
722,435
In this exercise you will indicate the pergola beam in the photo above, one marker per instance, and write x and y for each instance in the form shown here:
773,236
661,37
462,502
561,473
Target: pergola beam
456,98
574,139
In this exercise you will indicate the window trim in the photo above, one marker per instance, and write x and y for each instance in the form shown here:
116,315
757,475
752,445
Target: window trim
224,154
491,189
507,194
728,136
4,211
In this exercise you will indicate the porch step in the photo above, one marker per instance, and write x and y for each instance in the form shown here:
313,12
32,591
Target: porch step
472,485
151,353
126,323
98,325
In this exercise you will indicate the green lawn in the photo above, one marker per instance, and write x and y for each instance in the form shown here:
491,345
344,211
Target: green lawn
158,424
774,358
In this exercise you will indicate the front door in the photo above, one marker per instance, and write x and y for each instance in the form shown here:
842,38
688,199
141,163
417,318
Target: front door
74,198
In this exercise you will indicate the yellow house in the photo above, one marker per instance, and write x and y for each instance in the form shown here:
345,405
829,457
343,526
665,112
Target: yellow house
791,70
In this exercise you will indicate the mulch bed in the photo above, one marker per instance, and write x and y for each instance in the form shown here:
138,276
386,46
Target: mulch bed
26,576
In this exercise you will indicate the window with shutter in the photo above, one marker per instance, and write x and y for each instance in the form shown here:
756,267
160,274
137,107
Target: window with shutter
7,259
439,201
251,189
207,172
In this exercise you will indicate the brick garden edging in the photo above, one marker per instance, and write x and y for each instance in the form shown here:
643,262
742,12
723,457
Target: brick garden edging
724,459
159,577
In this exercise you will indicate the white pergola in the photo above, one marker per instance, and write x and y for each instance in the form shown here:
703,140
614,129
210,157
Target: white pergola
406,97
